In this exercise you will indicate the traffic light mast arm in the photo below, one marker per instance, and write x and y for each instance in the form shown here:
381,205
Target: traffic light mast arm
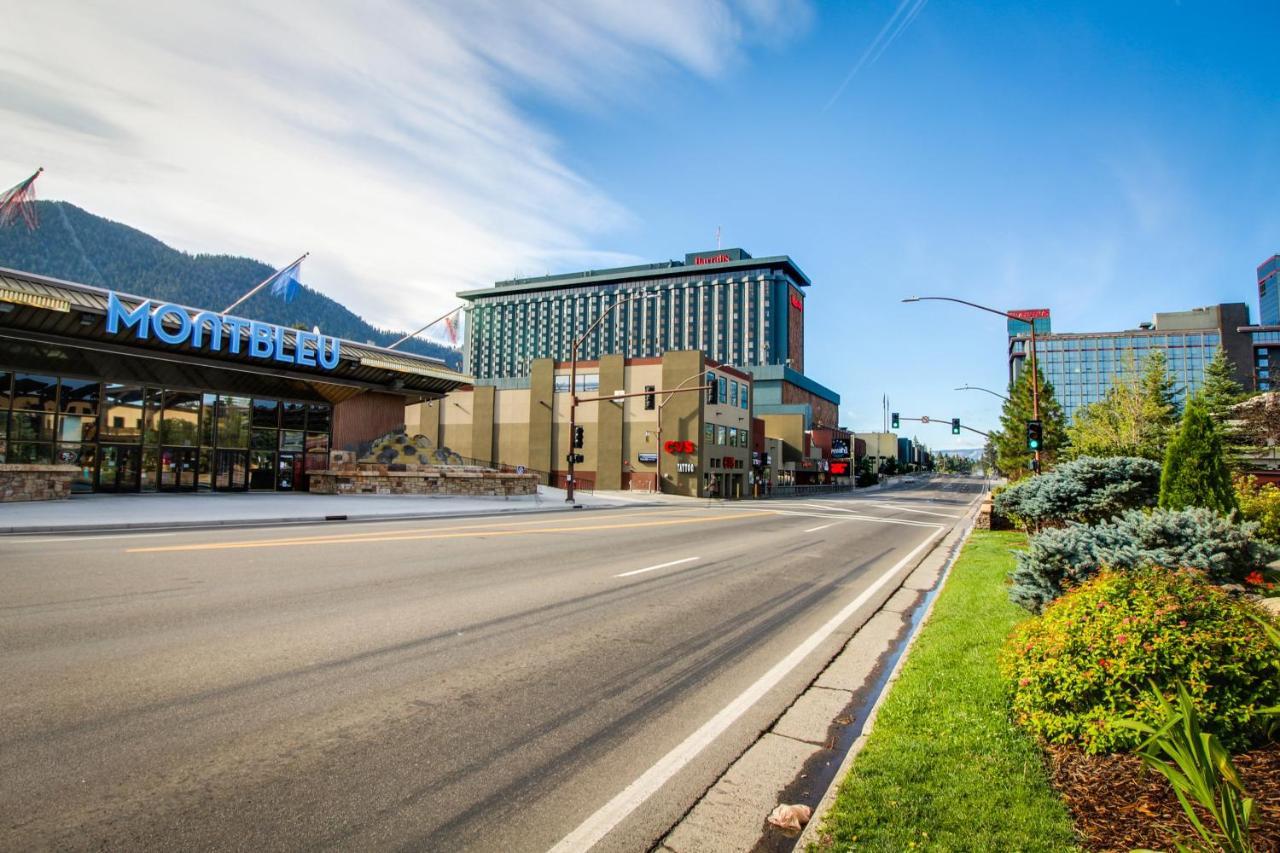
945,421
642,394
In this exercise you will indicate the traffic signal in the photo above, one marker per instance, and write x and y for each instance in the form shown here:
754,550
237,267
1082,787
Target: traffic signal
1035,435
577,458
650,399
895,420
579,436
713,388
955,426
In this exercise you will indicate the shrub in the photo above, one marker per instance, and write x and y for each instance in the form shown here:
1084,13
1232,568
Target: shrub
1225,550
1088,489
1089,659
1260,503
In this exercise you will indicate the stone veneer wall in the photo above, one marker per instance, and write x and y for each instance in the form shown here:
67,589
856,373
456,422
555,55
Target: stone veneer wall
379,480
36,482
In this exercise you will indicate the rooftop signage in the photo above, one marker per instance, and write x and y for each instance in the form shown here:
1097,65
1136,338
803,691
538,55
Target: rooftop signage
719,256
174,325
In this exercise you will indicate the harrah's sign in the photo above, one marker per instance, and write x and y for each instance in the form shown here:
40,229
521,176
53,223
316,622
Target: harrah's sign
216,332
711,259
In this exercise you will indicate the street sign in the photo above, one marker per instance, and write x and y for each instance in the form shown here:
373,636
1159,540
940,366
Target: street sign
924,419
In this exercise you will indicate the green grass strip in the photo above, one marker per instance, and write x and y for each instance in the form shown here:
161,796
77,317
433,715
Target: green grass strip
944,767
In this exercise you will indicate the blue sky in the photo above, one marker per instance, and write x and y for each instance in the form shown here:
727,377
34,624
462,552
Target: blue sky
1105,160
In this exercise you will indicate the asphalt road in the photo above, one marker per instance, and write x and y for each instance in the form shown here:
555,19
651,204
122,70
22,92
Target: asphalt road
482,684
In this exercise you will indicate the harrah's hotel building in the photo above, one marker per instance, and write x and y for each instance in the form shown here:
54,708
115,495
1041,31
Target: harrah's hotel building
737,309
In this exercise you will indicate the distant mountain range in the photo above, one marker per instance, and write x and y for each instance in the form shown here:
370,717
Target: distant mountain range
75,245
974,453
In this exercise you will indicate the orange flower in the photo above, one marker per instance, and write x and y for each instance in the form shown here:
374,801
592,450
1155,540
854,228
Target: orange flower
1254,578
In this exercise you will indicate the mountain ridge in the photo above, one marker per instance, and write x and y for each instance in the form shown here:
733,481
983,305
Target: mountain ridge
75,245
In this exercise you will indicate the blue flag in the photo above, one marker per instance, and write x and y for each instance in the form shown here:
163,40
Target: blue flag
286,284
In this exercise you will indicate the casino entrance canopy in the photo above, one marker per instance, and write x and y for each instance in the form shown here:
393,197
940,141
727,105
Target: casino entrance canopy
68,336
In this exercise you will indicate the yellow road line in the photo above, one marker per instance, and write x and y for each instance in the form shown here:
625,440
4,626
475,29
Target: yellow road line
374,535
418,537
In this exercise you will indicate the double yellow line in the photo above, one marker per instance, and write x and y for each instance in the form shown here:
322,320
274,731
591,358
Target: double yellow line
468,532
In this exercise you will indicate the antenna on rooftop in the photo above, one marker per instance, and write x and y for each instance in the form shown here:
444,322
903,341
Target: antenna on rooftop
717,238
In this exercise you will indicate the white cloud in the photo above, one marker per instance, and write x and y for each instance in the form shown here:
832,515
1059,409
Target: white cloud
387,138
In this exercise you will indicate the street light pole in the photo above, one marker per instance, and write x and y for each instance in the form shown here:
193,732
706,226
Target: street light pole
573,383
1035,372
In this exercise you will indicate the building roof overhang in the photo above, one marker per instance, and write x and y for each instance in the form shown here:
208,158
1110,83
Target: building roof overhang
53,312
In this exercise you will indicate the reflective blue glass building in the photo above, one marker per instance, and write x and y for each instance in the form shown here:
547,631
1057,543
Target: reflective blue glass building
1082,366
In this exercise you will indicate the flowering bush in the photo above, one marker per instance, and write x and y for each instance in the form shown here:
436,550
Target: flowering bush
1190,538
1260,503
1089,659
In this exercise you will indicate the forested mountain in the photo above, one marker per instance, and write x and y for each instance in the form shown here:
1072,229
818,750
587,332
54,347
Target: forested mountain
75,245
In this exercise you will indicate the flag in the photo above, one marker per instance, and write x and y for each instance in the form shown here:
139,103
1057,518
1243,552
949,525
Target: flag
20,201
446,331
286,284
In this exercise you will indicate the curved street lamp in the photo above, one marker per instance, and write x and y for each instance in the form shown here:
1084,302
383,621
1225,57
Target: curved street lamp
980,388
1035,373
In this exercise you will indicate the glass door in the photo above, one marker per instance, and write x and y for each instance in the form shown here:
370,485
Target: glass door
178,469
289,473
230,471
118,468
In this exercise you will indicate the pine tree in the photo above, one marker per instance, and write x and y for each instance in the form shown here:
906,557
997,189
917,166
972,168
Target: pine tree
1221,391
1195,470
1012,456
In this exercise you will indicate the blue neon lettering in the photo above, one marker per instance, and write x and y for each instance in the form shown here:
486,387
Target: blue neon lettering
280,353
234,327
328,352
301,353
214,322
116,313
184,324
209,331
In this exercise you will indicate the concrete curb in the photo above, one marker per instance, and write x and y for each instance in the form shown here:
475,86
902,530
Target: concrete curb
789,754
217,524
813,829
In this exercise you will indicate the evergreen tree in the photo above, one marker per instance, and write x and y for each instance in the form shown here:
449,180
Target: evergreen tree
1012,457
1195,472
1221,391
1136,416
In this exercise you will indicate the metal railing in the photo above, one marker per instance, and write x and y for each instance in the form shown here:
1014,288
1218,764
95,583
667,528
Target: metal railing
804,491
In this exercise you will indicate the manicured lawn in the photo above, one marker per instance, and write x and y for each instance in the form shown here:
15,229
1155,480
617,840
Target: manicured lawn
945,768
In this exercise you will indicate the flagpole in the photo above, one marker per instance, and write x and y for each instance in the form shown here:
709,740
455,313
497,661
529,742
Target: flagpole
424,328
264,283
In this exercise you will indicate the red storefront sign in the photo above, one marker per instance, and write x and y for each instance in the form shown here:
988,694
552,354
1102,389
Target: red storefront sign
1030,314
675,447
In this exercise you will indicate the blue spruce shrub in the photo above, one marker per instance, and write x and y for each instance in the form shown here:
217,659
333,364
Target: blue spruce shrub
1088,490
1198,538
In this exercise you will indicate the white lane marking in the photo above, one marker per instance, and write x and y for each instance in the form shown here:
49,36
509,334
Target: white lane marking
823,527
608,816
655,568
71,538
920,511
873,518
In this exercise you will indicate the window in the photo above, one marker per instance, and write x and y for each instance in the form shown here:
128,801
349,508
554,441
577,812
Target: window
744,396
724,390
733,394
720,435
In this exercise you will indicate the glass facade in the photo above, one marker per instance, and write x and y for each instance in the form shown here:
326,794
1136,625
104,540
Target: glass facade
1081,368
129,438
739,319
1269,291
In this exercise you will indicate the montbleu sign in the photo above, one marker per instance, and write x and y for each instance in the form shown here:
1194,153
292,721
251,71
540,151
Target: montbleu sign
216,332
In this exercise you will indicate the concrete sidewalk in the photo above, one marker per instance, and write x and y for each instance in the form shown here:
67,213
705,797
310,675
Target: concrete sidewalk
105,512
